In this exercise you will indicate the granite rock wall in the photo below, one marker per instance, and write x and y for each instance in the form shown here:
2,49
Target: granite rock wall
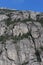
21,37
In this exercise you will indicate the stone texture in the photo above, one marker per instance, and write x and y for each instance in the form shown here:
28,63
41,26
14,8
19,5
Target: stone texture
20,28
2,17
21,37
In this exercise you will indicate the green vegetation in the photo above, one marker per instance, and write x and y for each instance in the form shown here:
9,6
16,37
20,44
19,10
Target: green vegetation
25,63
39,19
24,20
21,12
1,38
29,19
4,11
18,38
4,37
37,53
8,22
41,47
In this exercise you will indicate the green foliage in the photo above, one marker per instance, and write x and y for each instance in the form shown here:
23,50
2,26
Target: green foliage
41,47
41,21
37,53
25,63
38,19
21,12
8,22
18,20
3,11
1,38
25,20
4,37
25,35
29,19
18,38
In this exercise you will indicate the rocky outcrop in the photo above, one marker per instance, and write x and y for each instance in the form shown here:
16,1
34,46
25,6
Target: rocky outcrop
21,37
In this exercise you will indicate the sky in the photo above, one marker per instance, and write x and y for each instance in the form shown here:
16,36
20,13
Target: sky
34,5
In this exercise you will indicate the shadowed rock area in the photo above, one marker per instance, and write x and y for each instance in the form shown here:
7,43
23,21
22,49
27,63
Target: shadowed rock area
21,37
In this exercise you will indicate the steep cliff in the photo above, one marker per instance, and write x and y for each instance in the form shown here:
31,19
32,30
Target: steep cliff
21,37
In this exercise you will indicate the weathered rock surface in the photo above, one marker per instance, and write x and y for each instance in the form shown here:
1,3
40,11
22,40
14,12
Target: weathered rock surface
21,37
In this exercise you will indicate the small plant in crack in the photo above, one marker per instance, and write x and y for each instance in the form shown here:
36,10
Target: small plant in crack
8,22
25,63
1,52
20,37
15,38
25,35
41,47
25,20
21,12
37,17
37,53
40,20
1,38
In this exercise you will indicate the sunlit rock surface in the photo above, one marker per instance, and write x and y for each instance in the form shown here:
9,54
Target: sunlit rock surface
21,37
21,28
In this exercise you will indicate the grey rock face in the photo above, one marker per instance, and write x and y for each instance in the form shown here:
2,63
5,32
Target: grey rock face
21,37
